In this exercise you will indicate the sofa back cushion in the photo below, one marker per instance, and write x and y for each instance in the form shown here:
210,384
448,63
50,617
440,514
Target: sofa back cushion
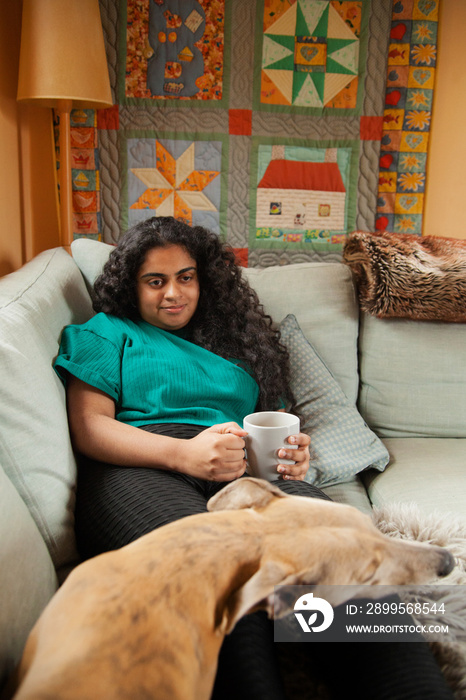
36,302
413,377
320,295
322,298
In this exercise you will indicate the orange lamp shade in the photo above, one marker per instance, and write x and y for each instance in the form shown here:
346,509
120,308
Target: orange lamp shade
62,54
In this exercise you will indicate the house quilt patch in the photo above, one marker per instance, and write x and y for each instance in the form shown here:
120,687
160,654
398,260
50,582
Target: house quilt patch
304,193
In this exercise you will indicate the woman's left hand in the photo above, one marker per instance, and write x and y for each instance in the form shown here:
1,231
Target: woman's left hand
297,471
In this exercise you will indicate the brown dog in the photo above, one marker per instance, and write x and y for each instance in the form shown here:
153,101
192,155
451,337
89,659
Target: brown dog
148,620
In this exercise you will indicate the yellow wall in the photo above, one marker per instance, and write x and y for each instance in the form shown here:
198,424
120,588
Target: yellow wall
11,244
445,207
29,221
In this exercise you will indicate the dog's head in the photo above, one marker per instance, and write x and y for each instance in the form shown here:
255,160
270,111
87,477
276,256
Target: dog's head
318,542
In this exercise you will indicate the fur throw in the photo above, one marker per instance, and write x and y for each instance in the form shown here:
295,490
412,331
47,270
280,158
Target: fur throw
408,276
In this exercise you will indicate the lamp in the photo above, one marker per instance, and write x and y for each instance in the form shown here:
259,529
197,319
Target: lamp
63,65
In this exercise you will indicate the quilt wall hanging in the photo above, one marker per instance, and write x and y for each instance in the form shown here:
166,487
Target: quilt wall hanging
283,125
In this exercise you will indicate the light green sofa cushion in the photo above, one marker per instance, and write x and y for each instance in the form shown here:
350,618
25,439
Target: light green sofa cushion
28,575
320,295
322,298
35,450
430,472
352,493
413,377
90,256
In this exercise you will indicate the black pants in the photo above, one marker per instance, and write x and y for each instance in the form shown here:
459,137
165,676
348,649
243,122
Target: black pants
116,505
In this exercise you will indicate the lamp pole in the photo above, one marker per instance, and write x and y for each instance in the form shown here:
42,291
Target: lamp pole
66,217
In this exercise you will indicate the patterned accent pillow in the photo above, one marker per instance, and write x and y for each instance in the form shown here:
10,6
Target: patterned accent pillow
341,443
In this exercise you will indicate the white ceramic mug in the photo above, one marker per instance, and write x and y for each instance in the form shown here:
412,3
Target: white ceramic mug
267,433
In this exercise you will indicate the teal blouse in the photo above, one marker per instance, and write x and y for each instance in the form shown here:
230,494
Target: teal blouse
155,376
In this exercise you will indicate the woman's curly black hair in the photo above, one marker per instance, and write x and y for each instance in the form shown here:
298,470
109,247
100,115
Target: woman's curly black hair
229,320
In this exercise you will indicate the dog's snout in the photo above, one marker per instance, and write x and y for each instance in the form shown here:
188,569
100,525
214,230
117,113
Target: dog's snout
446,563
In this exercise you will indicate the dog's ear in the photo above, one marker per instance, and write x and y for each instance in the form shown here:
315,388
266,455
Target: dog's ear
245,493
256,594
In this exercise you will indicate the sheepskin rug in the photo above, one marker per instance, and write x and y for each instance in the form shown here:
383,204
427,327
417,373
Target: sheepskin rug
405,521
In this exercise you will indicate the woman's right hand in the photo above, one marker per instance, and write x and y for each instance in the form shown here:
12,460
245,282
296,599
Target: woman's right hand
215,454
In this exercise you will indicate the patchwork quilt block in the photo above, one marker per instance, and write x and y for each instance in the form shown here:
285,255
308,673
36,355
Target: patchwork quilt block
311,54
411,71
168,176
85,179
174,50
303,192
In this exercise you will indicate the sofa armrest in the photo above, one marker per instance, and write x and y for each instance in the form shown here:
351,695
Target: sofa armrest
28,575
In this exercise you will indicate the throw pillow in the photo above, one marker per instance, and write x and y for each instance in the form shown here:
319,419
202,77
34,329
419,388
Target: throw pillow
342,445
400,275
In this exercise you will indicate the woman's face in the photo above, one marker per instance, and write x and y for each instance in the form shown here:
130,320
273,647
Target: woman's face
168,287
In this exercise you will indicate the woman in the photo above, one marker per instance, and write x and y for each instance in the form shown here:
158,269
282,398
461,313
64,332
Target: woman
158,383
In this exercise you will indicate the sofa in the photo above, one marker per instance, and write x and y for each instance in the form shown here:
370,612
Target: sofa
404,381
